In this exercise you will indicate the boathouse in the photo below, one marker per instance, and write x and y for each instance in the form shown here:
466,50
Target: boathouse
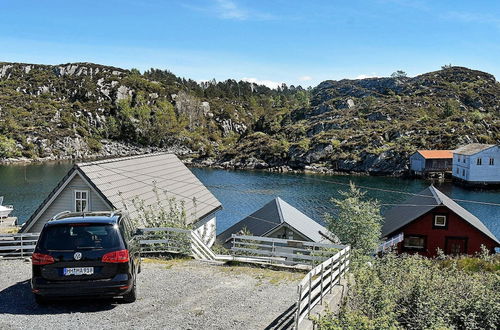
431,220
278,219
430,162
114,184
477,165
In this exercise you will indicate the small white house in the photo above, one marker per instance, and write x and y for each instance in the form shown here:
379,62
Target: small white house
114,184
477,164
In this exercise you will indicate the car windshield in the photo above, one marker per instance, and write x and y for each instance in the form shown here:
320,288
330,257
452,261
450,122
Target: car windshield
80,236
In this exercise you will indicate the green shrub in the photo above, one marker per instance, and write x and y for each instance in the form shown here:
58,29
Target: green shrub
413,292
8,148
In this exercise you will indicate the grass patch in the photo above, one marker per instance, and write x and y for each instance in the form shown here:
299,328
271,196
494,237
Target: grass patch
273,276
168,263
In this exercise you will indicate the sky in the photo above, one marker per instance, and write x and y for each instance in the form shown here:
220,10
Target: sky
264,41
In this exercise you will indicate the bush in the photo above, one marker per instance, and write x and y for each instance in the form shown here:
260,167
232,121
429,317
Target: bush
8,148
413,292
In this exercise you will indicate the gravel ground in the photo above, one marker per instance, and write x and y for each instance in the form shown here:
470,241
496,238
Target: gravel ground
178,294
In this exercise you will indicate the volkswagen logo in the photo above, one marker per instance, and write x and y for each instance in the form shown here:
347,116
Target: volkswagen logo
77,256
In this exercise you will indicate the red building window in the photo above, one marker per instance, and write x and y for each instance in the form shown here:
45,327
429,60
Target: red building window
440,220
414,242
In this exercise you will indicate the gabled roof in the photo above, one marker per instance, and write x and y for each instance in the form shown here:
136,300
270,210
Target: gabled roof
471,149
119,180
274,214
436,154
424,202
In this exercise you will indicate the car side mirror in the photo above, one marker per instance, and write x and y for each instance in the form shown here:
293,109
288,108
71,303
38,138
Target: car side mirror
139,232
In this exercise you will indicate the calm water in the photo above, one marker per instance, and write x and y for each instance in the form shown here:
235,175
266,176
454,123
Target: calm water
242,192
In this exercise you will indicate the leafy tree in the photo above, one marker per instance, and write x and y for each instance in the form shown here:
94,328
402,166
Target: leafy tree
8,148
399,74
357,222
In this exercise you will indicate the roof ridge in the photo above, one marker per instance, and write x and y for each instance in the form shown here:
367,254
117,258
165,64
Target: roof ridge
432,189
280,212
118,159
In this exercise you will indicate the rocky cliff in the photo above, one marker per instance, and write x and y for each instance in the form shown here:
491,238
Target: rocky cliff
82,110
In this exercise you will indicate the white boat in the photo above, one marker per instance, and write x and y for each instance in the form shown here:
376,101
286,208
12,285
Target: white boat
5,209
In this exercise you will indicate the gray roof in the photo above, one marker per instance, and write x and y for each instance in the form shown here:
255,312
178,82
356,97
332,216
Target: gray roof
272,215
424,202
120,180
471,149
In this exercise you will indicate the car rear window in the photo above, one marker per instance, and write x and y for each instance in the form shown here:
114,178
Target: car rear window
80,236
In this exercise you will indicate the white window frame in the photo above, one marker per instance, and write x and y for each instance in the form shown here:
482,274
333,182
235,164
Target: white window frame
440,216
492,161
479,161
75,199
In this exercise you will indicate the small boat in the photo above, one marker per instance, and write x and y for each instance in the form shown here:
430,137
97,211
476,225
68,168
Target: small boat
5,209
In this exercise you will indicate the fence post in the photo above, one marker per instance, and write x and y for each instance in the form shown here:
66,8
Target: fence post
332,264
297,314
322,278
309,295
22,250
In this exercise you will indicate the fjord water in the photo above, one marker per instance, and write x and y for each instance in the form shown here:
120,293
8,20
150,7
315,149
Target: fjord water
242,192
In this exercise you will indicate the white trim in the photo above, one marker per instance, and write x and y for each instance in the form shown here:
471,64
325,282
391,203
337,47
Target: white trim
87,199
440,216
58,192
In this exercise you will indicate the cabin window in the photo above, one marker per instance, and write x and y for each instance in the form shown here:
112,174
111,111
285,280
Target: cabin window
458,170
414,242
458,158
479,161
463,172
81,200
440,220
492,161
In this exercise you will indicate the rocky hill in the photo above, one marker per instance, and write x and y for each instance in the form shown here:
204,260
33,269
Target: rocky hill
82,110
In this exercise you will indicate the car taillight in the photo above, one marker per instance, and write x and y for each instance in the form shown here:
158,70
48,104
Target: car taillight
116,256
42,259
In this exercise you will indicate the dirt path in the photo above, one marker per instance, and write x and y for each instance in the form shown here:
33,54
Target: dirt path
172,295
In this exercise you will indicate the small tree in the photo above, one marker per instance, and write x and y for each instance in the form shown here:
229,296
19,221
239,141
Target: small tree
399,74
357,222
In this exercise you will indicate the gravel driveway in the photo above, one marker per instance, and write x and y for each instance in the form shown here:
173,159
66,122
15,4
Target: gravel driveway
177,294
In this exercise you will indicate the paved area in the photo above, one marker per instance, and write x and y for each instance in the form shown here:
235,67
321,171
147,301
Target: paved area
176,294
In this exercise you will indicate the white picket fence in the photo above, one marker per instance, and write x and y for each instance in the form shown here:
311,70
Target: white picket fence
17,245
390,243
276,250
319,282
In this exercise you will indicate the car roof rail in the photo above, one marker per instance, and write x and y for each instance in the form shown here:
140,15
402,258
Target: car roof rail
60,214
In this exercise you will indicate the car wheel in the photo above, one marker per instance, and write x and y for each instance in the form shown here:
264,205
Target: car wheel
40,300
131,296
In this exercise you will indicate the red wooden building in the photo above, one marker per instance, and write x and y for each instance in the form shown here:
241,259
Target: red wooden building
431,220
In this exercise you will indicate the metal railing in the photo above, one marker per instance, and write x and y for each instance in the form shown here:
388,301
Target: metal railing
17,245
281,250
320,281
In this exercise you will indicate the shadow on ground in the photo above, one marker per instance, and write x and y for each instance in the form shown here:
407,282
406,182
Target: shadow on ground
18,299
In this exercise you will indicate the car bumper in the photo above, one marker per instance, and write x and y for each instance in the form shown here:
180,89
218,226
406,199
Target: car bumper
96,288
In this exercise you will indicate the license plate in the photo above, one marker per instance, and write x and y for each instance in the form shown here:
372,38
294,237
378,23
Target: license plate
79,271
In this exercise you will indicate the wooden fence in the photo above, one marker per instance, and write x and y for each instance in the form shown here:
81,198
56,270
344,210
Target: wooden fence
320,281
390,243
283,251
17,245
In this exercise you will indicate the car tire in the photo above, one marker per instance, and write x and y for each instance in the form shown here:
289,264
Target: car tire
131,296
40,300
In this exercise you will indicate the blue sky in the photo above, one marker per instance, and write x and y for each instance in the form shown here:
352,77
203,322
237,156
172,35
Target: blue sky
296,42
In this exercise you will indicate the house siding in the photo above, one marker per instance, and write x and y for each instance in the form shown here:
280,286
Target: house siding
436,237
417,162
206,229
478,173
65,202
283,232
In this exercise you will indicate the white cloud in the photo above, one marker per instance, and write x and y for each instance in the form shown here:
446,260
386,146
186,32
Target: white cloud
365,76
305,78
231,10
268,83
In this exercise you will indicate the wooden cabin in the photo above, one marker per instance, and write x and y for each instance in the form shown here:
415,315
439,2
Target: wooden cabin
431,220
114,184
278,219
428,162
477,164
